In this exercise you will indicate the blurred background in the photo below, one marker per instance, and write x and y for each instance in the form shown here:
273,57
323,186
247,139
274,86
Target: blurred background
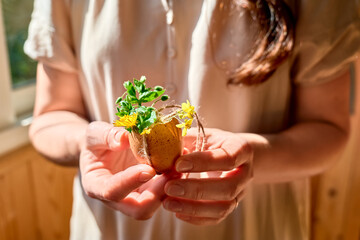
36,195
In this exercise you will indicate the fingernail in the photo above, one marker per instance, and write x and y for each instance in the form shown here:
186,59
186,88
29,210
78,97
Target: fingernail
173,206
118,136
184,165
176,190
145,176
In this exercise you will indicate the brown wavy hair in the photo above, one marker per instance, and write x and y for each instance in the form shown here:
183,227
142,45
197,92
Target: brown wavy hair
274,43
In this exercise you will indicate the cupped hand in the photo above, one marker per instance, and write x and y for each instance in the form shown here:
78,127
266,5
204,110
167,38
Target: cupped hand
111,174
225,169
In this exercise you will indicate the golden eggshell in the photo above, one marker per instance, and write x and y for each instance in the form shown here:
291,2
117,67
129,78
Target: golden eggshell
160,148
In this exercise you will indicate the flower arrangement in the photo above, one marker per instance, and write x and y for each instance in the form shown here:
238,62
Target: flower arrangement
155,137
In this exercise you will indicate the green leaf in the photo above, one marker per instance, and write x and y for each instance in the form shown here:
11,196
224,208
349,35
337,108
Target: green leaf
127,84
150,96
148,122
164,97
152,119
159,93
142,110
150,109
147,96
131,99
158,88
139,86
122,113
126,106
118,100
130,88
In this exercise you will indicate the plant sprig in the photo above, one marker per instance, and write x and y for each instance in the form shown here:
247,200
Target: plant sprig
131,111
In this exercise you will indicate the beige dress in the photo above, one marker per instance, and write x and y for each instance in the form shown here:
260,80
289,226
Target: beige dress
108,42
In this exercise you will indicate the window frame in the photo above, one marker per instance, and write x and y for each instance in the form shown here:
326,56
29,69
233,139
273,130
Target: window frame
16,103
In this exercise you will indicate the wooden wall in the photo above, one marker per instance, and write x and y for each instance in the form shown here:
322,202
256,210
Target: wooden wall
35,197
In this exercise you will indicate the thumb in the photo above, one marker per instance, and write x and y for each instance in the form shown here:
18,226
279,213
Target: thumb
103,135
115,187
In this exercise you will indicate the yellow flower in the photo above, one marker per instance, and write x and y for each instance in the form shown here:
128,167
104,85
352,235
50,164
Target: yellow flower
188,109
146,131
126,121
185,126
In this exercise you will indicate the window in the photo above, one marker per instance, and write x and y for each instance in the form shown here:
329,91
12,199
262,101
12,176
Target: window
16,20
17,74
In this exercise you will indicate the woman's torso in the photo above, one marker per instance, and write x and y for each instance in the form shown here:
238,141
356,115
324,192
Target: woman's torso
115,41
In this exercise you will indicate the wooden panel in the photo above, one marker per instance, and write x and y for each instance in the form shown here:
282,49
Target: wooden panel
17,204
35,197
351,218
53,191
334,191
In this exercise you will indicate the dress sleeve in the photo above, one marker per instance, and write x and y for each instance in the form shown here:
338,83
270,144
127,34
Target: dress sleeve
49,36
327,39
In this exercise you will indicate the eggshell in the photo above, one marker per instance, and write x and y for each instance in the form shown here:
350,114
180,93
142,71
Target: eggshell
160,148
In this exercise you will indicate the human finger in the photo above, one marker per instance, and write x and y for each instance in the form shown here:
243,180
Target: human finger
208,209
223,158
200,221
239,198
142,205
207,213
102,135
225,188
104,185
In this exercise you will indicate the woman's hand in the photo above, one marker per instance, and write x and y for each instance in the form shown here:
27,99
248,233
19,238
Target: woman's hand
226,167
109,173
